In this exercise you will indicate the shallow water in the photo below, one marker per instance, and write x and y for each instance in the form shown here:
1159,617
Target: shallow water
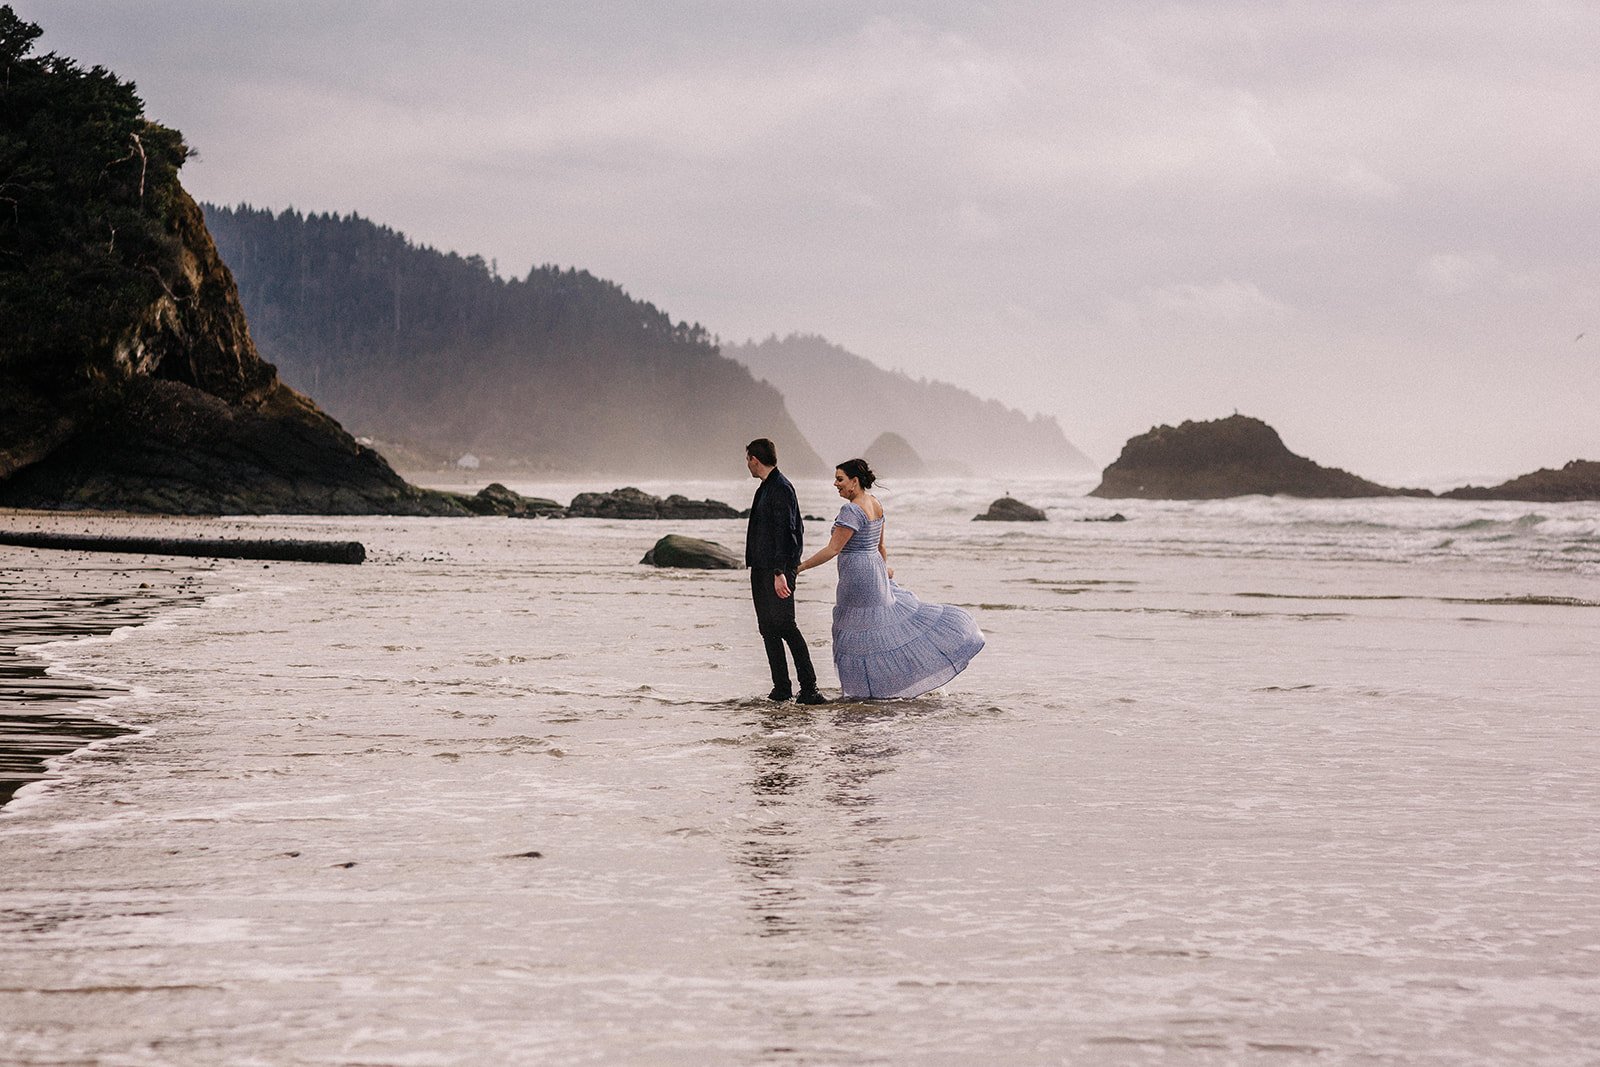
1259,780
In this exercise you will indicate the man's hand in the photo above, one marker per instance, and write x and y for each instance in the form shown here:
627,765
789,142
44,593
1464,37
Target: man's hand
780,585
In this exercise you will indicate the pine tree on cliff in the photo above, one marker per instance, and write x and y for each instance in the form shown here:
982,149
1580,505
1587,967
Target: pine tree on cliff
86,184
128,378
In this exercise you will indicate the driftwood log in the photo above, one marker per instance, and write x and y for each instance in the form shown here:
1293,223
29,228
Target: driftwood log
287,551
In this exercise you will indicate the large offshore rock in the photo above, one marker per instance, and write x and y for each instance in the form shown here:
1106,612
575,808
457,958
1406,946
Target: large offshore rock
1236,456
675,550
1578,480
1009,509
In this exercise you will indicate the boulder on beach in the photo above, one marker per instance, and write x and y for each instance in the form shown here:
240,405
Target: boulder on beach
1008,509
631,503
676,550
1578,480
1236,456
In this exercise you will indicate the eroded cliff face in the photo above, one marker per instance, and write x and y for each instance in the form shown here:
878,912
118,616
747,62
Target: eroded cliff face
195,332
128,379
179,414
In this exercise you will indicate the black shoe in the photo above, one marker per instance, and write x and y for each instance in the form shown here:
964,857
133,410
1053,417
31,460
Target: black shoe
810,696
779,694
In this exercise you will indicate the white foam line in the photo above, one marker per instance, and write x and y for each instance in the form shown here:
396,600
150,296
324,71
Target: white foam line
56,655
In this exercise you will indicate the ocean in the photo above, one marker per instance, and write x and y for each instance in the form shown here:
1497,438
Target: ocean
1251,781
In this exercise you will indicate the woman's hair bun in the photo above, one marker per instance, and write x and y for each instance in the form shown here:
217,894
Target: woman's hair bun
860,470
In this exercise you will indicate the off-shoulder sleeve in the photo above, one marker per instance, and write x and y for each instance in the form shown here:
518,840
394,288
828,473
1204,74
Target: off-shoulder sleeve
851,517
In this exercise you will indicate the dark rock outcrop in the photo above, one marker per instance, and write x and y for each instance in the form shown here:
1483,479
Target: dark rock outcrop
496,499
1008,509
128,379
1578,480
675,550
631,503
1236,456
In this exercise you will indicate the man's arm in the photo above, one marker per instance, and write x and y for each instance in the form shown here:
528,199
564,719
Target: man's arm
794,527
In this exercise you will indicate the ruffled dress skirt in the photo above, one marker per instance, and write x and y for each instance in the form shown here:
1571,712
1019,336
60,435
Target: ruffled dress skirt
886,642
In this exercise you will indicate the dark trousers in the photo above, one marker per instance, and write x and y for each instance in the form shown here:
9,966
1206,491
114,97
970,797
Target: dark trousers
775,617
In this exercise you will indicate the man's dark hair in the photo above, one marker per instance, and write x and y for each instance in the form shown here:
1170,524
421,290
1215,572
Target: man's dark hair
765,452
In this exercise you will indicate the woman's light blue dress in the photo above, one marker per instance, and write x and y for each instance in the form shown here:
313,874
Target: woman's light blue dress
886,642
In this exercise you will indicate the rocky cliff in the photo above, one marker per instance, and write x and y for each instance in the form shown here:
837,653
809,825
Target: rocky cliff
128,379
1578,480
1236,456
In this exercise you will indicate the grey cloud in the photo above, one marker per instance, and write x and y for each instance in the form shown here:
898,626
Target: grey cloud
1368,222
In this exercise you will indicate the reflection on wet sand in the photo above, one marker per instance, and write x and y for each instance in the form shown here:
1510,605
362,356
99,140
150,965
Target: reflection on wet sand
810,862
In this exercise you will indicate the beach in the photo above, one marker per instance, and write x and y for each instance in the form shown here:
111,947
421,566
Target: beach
1240,781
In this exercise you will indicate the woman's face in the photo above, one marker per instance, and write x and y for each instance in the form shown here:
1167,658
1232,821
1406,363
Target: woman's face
848,487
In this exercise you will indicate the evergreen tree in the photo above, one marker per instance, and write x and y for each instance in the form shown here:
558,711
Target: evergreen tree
86,191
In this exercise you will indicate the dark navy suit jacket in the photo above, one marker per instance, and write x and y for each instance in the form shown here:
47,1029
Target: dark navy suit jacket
773,539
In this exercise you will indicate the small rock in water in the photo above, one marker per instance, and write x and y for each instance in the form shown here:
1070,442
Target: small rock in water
1009,509
532,854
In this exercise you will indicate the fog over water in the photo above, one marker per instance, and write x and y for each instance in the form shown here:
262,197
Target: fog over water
1371,225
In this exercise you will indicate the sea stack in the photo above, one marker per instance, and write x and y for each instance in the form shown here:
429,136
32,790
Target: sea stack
893,454
1235,456
1578,480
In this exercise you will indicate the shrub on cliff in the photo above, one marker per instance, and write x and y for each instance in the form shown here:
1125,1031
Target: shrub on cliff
87,186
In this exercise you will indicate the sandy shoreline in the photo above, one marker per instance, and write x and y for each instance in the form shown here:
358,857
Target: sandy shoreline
50,596
1262,775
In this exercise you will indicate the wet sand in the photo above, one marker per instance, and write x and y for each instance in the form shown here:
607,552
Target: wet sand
49,596
1252,782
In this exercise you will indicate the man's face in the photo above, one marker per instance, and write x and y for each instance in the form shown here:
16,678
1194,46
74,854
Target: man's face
752,465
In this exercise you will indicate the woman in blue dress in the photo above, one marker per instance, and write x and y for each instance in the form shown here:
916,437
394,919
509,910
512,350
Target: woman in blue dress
886,642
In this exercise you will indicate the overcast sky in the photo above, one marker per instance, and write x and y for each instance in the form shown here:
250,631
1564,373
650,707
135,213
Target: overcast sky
1372,224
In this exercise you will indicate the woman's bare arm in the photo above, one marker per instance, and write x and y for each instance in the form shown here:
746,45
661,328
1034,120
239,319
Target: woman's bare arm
841,537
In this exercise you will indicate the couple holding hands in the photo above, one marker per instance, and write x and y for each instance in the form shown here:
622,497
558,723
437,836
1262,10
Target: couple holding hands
886,642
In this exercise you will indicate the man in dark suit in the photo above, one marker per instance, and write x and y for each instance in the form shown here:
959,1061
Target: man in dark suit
772,552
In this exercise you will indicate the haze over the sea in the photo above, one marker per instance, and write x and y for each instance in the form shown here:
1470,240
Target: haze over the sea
1372,226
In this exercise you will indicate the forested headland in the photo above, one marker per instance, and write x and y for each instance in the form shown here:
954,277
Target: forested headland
128,379
557,371
953,431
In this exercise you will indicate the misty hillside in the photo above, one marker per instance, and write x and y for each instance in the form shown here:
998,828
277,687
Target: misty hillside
558,371
953,431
